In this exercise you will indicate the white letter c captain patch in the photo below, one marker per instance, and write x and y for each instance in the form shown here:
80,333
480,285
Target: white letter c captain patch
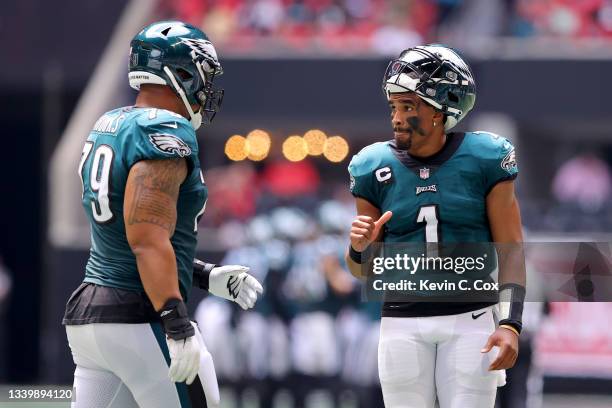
383,174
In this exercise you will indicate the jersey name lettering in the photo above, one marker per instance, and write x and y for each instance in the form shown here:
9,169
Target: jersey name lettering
108,123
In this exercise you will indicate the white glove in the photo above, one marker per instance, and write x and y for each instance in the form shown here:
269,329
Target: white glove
184,359
232,282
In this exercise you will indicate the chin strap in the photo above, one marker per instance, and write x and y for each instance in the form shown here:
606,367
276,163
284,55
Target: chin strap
194,118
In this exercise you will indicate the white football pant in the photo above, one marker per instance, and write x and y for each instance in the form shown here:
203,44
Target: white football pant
126,366
421,359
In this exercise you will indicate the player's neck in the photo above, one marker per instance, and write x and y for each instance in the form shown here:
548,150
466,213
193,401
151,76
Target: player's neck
160,97
429,149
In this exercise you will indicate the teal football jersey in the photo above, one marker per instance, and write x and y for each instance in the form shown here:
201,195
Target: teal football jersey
119,139
438,199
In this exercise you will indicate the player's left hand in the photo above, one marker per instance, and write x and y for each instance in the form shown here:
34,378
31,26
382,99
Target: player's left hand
507,341
184,359
232,282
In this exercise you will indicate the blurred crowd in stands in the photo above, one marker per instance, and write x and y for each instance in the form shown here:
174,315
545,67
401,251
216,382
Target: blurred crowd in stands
385,26
582,191
310,331
580,198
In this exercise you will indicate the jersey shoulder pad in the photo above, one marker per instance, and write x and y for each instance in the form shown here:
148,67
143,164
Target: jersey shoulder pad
161,116
167,132
487,144
496,155
368,159
362,168
162,120
160,134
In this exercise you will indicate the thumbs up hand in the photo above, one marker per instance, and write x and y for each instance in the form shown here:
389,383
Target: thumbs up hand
365,230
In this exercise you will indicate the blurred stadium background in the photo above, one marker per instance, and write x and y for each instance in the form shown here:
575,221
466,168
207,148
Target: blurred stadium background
302,81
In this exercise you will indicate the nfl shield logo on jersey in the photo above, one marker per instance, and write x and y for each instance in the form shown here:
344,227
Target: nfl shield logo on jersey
424,173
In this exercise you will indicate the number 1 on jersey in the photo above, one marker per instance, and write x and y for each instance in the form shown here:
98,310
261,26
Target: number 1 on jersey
429,215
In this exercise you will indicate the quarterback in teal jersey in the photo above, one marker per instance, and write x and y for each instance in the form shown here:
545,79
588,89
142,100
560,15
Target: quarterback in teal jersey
143,192
433,186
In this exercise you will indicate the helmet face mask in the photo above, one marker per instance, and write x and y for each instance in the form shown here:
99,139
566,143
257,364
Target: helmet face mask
210,99
180,56
438,75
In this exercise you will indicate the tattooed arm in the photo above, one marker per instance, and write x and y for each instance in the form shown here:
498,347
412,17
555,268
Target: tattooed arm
151,194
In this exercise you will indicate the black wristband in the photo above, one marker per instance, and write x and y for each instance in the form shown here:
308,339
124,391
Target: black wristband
175,320
517,324
354,254
201,273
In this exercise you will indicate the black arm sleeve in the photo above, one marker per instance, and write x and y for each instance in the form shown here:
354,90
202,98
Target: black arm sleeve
511,298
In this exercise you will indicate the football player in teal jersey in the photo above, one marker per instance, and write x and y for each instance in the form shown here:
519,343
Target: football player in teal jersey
143,192
430,185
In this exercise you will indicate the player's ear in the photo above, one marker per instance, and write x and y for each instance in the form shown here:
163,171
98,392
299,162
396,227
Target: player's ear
438,117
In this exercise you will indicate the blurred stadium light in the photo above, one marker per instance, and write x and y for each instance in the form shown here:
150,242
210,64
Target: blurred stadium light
335,149
236,148
295,148
258,145
315,140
